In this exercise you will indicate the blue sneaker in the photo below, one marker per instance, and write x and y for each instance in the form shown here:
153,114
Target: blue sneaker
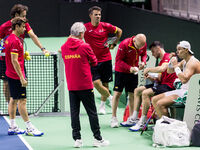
129,123
138,126
15,131
33,132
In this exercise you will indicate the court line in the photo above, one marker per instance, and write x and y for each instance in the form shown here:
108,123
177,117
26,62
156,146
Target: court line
20,136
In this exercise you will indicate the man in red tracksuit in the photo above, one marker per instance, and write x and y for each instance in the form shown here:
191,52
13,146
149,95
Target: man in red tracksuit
17,80
18,10
78,56
96,35
126,69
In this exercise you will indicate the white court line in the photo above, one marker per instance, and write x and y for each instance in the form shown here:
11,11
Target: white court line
20,136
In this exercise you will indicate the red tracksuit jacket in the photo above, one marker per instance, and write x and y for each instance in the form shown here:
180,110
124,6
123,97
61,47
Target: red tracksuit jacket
77,57
128,56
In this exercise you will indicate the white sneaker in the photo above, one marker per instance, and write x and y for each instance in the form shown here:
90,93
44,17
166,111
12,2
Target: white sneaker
114,122
129,123
110,100
99,143
15,130
33,131
102,109
78,143
138,126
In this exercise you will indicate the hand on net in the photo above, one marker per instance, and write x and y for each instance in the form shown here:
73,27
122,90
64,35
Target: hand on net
46,53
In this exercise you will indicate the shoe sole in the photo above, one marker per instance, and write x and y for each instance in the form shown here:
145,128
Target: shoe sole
100,145
78,146
114,126
102,113
134,130
14,133
96,146
29,134
127,125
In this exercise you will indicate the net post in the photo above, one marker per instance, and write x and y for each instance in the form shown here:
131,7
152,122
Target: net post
62,90
55,108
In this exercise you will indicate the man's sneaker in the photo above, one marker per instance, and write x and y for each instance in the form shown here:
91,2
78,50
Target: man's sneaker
99,143
114,123
78,143
102,109
33,132
129,123
15,130
138,126
110,100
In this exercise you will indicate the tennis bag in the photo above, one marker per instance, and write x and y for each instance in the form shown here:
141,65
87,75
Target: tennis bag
195,137
171,132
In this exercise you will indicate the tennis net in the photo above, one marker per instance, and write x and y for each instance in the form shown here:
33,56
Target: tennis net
42,74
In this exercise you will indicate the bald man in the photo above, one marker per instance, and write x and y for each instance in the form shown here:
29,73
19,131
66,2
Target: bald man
126,70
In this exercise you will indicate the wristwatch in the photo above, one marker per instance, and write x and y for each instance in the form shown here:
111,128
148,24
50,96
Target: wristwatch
42,48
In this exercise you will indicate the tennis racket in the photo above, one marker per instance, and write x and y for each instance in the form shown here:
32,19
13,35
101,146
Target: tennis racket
109,41
146,124
2,43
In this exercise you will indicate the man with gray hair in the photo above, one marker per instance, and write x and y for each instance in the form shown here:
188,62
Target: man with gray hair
78,56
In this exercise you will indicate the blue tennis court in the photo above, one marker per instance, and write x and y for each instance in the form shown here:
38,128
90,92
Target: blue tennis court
15,142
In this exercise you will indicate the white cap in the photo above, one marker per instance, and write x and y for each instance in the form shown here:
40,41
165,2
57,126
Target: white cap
186,44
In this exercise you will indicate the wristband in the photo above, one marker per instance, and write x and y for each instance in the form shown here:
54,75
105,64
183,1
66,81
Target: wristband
153,75
177,71
42,48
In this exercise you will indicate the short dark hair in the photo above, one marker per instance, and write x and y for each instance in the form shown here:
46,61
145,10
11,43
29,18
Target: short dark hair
94,8
156,43
18,9
17,21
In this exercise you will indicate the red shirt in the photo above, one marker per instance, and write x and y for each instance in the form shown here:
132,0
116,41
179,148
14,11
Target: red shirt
6,29
166,78
97,36
14,45
165,59
128,56
77,57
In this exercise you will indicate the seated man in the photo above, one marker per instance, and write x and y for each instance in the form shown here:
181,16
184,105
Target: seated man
184,70
143,94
